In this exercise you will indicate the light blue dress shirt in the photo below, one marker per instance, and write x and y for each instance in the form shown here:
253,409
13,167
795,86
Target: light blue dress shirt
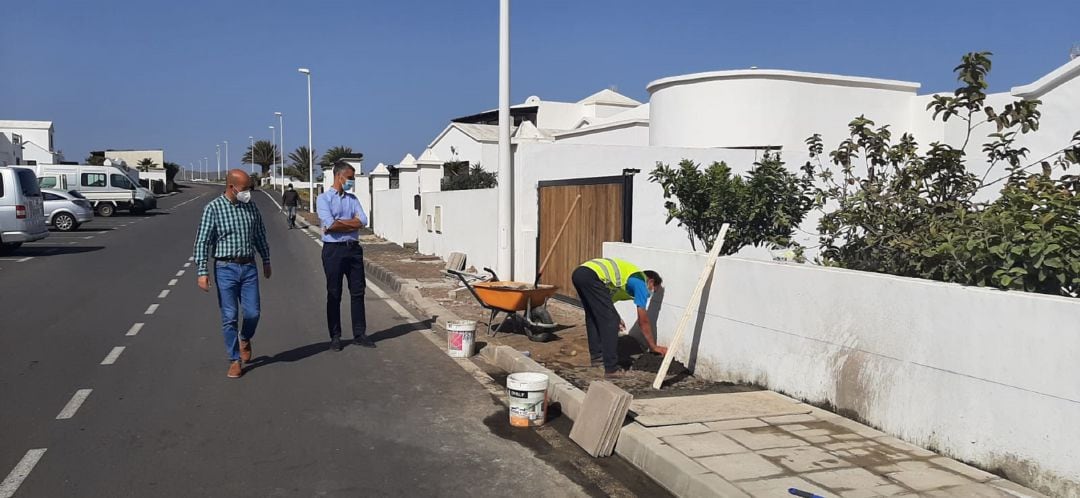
334,206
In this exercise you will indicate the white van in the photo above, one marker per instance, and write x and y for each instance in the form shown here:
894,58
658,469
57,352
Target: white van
22,208
108,188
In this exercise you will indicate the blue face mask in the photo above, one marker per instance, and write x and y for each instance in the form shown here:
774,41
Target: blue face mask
349,184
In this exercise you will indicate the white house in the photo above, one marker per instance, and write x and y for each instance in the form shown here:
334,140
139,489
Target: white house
36,139
11,152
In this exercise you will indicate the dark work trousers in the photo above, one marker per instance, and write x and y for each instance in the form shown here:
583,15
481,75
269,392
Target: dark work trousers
601,319
344,259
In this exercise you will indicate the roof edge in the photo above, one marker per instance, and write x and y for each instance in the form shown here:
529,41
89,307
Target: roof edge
780,74
1049,81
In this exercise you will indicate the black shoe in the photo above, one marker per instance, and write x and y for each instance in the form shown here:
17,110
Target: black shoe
335,344
364,341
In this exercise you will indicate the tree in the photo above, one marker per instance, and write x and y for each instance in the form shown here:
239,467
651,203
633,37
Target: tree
171,169
146,163
475,178
266,154
335,154
914,212
299,162
95,159
763,209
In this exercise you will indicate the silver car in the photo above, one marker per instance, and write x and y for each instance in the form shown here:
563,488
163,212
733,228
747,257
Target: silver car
65,211
22,216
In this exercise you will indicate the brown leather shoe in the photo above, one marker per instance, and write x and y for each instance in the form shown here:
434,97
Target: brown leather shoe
245,351
617,374
235,371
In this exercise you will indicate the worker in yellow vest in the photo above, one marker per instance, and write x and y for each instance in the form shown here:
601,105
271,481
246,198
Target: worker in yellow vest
602,282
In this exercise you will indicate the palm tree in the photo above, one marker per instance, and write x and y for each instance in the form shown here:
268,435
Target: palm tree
266,154
334,154
146,163
298,163
171,169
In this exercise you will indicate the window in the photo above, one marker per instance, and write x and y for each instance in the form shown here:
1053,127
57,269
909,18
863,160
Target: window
1,186
121,181
49,196
28,182
47,182
93,179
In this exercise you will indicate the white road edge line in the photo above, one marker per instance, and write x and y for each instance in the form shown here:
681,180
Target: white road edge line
134,330
151,309
113,355
164,294
272,200
73,405
23,260
187,264
172,282
180,273
191,258
20,472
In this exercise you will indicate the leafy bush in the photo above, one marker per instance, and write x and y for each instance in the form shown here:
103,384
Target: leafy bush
474,178
912,211
763,209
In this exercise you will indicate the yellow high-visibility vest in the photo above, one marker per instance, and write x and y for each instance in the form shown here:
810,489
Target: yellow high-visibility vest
615,273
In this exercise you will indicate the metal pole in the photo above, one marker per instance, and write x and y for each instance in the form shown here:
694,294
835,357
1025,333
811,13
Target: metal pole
273,156
226,155
506,186
218,153
252,158
311,152
281,123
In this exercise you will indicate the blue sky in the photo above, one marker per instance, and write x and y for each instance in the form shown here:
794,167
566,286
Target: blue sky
388,75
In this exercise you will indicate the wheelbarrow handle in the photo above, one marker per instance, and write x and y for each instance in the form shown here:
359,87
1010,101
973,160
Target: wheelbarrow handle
494,277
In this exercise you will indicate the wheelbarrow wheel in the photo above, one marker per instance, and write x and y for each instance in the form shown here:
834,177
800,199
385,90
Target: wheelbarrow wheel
538,335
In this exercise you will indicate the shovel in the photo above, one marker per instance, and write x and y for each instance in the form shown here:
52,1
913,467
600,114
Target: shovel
540,313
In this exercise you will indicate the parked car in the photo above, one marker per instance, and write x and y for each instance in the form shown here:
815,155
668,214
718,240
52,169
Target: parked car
22,209
65,211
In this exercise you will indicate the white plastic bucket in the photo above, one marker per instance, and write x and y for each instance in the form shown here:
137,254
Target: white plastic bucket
460,338
528,398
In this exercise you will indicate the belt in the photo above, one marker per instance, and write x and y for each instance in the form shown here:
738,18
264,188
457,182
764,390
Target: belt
240,261
347,243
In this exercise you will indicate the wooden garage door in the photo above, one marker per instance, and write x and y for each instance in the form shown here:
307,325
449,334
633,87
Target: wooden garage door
600,217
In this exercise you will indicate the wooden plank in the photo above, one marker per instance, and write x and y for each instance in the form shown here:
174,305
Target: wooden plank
691,306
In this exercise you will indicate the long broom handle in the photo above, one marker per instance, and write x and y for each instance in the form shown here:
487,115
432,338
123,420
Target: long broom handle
555,243
710,262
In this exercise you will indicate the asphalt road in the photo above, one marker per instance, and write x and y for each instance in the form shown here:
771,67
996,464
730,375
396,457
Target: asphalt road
81,417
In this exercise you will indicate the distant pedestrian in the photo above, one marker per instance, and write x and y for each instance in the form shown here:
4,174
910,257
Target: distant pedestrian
291,199
342,217
231,232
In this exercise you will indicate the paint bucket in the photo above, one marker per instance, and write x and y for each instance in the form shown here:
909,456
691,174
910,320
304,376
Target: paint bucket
528,398
460,338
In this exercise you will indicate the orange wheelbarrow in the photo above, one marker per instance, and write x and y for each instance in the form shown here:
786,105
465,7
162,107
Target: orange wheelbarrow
520,301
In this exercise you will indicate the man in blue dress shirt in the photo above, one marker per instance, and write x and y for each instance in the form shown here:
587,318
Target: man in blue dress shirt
342,217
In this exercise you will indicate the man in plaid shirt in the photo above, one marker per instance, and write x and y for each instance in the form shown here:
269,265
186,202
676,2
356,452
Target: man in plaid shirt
232,231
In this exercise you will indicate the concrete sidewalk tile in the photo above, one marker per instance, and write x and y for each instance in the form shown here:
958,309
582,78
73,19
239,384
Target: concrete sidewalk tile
793,427
804,459
1014,489
857,428
789,419
962,469
678,430
764,440
778,486
740,466
818,439
712,485
742,423
847,479
705,444
905,447
805,433
886,490
927,479
849,445
971,491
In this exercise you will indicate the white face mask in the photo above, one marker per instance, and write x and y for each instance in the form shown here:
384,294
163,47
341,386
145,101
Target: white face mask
244,196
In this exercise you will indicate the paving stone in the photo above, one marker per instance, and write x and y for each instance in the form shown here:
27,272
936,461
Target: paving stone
727,425
848,445
905,447
971,491
715,485
789,419
812,433
764,440
857,428
964,470
705,444
794,427
804,459
848,437
902,465
819,439
887,490
847,479
778,486
927,479
740,466
890,490
677,430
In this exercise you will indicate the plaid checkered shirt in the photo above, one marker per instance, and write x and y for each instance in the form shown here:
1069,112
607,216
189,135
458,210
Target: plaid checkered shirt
230,230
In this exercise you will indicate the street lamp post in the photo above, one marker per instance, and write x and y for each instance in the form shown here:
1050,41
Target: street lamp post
506,186
252,158
218,153
273,159
226,155
281,132
206,167
311,152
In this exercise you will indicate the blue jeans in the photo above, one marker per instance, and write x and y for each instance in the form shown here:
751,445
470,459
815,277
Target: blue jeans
237,288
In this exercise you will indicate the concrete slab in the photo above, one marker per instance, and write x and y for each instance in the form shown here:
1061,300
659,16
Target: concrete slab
778,486
713,408
804,459
847,479
601,417
701,445
927,479
741,466
678,430
764,438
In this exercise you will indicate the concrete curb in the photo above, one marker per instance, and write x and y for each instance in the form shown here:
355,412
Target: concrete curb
673,470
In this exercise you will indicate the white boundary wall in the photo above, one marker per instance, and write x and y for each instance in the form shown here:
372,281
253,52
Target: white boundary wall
387,210
985,376
469,218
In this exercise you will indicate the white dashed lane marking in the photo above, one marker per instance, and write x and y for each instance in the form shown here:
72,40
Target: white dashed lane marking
172,282
134,329
113,355
180,273
150,310
164,294
73,405
20,472
187,264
